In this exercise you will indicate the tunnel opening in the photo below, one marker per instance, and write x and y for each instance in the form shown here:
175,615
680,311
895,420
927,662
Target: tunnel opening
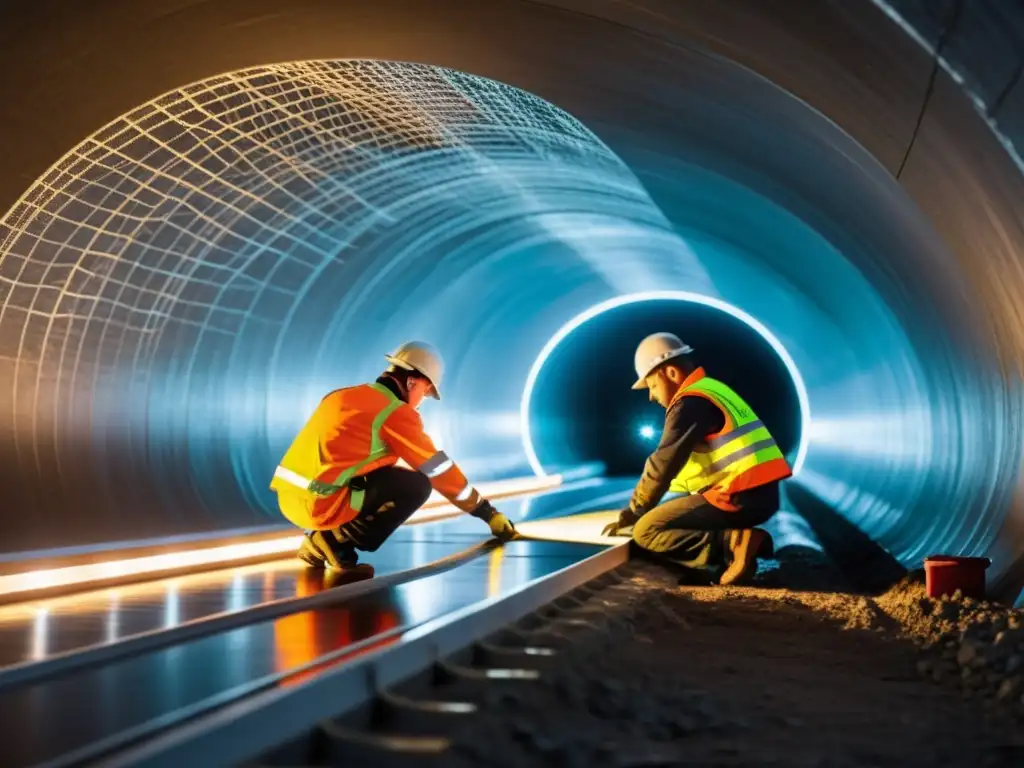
579,408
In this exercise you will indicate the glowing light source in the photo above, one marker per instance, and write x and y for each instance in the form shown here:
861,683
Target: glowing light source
635,298
647,432
579,528
436,508
112,623
172,605
40,634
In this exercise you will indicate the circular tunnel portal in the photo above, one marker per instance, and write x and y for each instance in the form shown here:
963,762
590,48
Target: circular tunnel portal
578,407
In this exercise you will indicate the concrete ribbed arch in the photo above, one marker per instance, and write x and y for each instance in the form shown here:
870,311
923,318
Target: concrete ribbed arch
189,279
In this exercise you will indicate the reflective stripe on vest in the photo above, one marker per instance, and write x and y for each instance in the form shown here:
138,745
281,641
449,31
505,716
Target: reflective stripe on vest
437,465
378,450
728,454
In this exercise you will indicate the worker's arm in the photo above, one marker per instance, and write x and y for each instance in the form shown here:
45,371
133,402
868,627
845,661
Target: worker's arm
688,421
403,433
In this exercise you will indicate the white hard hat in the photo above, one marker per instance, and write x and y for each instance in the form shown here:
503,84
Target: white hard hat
655,350
423,358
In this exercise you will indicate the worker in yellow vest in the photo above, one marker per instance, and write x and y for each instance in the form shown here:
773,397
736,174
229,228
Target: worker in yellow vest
716,451
339,481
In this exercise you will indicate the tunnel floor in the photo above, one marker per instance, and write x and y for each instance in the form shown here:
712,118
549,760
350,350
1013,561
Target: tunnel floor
35,630
739,676
794,670
50,719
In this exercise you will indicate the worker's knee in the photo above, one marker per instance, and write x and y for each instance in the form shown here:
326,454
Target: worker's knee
644,532
406,489
419,489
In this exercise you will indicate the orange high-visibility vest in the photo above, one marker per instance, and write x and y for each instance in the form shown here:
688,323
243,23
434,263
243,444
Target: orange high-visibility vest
352,432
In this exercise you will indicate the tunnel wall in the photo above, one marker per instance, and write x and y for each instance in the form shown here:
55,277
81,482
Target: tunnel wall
981,44
848,61
191,279
979,49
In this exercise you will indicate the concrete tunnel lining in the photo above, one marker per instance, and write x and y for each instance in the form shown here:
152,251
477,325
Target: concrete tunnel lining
718,146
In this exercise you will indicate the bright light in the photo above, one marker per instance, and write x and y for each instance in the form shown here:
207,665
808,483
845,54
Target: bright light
636,298
647,432
436,508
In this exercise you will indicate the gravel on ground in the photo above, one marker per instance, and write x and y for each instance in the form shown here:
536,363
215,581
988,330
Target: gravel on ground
765,675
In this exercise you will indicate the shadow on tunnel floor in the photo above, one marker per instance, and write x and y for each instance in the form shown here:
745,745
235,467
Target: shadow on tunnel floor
867,567
795,568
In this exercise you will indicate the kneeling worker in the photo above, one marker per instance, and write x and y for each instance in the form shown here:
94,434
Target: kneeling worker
715,449
338,478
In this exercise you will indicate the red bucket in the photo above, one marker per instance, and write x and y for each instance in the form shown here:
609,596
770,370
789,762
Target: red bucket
945,574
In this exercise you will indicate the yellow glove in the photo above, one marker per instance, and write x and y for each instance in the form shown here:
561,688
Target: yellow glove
502,527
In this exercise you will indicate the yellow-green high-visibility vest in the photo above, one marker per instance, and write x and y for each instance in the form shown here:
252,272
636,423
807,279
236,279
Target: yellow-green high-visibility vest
743,455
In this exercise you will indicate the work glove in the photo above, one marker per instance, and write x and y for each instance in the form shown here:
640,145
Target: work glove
500,525
627,519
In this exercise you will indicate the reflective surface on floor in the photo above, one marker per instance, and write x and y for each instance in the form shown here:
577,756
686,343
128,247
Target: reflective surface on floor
34,630
50,719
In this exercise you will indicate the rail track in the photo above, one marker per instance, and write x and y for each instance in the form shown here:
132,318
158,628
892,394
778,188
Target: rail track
386,696
393,704
97,702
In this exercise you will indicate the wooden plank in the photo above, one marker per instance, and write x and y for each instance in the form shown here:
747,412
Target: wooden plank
580,529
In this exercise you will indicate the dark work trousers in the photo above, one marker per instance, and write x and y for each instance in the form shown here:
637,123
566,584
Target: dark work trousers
392,495
691,532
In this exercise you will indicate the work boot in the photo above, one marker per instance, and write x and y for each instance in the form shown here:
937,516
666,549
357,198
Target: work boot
309,553
328,549
766,550
744,546
339,578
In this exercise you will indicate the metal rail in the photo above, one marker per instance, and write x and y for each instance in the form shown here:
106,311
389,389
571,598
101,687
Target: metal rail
122,739
27,577
248,728
95,655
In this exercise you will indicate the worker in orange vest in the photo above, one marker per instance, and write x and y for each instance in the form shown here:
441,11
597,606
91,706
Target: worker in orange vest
716,451
339,481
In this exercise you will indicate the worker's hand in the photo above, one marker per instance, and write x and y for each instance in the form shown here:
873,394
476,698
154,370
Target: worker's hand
502,527
627,519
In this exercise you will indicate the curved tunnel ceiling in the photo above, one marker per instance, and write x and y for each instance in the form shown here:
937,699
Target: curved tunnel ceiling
898,297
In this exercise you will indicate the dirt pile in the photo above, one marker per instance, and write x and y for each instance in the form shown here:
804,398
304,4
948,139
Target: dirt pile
971,645
745,676
974,645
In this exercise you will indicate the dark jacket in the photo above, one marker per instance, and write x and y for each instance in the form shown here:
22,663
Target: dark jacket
687,422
